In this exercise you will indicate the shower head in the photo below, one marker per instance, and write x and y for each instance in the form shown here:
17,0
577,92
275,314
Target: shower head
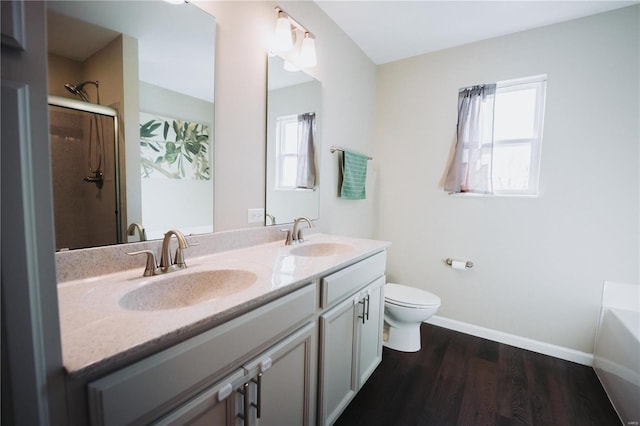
78,89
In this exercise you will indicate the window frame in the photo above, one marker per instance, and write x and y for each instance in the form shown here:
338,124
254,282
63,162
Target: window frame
281,122
535,143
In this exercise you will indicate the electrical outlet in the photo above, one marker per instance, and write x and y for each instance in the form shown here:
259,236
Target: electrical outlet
255,215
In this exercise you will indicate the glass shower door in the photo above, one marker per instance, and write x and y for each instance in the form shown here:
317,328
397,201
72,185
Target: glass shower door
84,178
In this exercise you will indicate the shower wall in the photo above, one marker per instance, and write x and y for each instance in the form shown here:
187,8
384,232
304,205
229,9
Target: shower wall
85,215
115,67
61,71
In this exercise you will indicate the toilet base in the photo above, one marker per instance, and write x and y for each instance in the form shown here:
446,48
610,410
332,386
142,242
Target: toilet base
403,339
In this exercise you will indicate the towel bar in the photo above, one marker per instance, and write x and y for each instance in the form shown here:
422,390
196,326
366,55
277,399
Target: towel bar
335,148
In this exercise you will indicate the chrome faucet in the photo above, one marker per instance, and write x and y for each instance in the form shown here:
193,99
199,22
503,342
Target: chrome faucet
141,231
296,234
166,263
271,217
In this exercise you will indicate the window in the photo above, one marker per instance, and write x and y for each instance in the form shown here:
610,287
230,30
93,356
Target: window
295,152
498,139
517,135
286,151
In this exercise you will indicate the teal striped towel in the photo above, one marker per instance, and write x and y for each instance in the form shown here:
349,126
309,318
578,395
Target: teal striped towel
354,175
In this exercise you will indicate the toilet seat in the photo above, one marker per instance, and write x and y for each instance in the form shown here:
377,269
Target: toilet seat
410,297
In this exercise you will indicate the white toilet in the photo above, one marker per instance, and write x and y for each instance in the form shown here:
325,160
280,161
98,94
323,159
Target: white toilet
405,308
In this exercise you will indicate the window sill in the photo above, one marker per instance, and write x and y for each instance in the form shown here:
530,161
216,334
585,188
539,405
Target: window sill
477,195
296,189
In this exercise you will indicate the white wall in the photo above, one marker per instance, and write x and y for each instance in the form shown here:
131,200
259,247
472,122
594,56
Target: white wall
539,262
348,78
158,215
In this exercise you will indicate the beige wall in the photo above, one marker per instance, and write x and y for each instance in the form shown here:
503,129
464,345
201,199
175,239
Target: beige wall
539,262
60,71
348,78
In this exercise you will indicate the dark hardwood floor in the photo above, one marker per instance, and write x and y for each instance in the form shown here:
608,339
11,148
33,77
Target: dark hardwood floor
458,379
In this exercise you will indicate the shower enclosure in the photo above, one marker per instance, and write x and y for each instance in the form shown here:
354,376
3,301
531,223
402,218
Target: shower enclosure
85,173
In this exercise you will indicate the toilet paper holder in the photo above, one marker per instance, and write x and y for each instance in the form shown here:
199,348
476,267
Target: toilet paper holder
468,264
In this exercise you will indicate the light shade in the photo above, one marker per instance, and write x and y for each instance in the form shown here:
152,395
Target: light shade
308,52
283,40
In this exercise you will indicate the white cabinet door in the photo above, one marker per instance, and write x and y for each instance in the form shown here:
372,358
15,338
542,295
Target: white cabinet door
338,346
281,390
370,351
350,348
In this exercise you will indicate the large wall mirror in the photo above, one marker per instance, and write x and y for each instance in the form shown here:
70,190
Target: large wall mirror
294,120
131,87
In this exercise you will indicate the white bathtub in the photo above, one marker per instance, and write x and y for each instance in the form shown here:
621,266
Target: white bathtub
617,349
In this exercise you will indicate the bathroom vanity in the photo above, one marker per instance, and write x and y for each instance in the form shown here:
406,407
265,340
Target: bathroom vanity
292,344
350,333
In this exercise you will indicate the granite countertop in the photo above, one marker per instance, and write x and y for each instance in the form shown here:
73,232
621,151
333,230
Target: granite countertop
96,331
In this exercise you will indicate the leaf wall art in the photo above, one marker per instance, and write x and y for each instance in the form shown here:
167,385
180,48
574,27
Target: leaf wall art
173,149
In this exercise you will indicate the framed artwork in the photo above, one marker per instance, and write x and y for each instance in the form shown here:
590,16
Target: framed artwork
174,149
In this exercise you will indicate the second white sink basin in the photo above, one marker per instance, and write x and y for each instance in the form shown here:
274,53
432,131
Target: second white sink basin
321,249
180,290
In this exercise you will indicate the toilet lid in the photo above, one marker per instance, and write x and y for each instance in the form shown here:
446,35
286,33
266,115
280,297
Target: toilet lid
409,296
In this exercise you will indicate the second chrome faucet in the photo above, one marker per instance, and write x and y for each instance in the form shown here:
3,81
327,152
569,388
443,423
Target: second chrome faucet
295,236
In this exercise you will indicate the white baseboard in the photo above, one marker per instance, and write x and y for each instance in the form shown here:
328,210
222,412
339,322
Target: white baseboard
513,340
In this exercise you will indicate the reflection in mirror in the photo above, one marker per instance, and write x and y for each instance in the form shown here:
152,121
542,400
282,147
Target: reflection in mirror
84,146
153,63
294,115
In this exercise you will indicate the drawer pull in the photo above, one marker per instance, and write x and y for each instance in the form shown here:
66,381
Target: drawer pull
364,315
368,299
258,404
246,405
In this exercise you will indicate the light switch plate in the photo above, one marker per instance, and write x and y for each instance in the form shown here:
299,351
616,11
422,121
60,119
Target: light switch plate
255,215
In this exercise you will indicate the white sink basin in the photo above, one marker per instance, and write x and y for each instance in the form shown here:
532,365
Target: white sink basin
181,290
321,249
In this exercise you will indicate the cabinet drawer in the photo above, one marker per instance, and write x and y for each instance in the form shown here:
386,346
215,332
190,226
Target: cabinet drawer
141,392
337,286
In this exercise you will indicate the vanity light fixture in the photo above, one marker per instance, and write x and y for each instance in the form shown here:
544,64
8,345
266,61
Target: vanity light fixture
178,2
294,43
308,51
283,39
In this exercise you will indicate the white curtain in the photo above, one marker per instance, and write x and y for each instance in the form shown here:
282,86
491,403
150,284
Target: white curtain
306,175
470,170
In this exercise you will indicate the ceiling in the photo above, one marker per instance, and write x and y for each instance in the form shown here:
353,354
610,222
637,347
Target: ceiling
176,43
388,31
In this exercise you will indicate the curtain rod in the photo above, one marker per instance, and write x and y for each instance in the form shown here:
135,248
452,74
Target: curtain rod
335,148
